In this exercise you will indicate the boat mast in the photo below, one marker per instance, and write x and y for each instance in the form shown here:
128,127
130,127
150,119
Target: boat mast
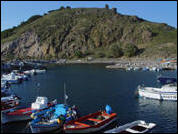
38,88
65,96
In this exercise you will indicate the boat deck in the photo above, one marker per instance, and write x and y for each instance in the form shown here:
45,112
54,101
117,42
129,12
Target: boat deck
94,120
134,129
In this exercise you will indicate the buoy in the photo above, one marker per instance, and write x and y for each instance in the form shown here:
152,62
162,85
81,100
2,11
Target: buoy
108,109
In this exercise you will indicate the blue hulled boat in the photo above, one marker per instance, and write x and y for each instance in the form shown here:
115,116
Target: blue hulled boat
52,118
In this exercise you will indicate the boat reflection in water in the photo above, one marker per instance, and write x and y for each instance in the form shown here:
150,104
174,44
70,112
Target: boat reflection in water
157,111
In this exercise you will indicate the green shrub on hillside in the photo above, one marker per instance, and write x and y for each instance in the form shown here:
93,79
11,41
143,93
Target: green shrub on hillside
7,33
100,54
78,54
116,50
130,50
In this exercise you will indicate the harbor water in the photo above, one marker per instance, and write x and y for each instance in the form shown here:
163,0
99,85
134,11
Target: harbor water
91,86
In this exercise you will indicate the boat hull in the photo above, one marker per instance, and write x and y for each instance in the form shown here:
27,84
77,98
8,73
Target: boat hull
169,96
44,128
91,130
14,118
8,110
158,95
97,125
133,127
147,94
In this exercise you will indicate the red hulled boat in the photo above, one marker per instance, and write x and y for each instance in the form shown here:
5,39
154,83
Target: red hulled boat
90,123
9,103
24,114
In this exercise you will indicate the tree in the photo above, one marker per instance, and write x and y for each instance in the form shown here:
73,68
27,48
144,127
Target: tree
116,50
100,54
130,50
68,7
33,18
61,8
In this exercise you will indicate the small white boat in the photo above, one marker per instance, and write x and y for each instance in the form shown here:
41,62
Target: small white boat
153,68
3,83
6,92
40,71
129,68
11,78
145,69
30,72
139,126
22,76
136,68
166,92
35,71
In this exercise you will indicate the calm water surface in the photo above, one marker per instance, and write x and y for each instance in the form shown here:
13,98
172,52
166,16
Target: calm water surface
91,87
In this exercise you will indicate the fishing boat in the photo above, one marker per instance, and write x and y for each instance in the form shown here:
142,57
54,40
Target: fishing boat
34,71
138,126
11,78
40,71
136,68
166,80
19,74
8,103
30,72
52,118
129,68
91,123
3,83
22,77
6,90
166,92
24,114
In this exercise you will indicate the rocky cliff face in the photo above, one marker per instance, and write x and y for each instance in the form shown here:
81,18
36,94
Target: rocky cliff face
63,32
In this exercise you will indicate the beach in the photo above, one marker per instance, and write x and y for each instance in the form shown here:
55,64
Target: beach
125,63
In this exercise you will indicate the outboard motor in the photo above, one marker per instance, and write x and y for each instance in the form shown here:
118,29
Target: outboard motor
108,109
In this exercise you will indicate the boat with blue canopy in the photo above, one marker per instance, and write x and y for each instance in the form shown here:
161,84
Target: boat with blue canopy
52,118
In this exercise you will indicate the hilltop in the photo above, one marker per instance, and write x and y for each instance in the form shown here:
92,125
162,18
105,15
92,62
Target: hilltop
81,32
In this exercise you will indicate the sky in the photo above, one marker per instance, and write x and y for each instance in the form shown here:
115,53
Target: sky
14,12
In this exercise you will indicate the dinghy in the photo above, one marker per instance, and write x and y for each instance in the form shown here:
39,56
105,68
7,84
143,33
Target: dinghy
90,123
24,114
139,126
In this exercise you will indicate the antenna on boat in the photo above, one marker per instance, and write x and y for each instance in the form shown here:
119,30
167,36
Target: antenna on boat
38,88
65,95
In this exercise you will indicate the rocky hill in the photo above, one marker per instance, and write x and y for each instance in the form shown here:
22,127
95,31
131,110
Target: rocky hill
81,32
